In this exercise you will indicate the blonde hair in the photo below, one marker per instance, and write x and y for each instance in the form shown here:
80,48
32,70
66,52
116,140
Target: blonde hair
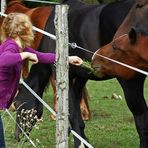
18,25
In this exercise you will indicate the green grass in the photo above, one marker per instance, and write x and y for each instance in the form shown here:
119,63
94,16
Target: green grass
111,124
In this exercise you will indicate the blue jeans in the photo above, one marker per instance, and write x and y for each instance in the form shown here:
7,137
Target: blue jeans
2,140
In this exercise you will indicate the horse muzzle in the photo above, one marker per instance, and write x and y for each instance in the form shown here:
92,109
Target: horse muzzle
98,70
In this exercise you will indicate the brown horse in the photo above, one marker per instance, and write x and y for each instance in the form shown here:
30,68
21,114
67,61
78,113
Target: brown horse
130,49
137,18
39,16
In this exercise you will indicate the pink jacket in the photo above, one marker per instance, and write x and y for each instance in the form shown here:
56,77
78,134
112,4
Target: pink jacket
10,69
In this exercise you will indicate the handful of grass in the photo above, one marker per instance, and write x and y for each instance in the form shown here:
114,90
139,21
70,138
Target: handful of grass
87,65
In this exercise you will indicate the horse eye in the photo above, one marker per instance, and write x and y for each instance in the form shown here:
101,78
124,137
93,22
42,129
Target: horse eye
139,5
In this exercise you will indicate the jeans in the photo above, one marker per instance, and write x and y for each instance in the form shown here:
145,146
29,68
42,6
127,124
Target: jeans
2,140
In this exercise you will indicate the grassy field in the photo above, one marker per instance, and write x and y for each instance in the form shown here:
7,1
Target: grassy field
111,124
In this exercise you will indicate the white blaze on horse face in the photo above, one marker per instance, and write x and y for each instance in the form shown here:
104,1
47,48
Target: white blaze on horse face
94,55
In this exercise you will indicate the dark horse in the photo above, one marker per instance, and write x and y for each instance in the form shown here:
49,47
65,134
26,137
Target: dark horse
92,26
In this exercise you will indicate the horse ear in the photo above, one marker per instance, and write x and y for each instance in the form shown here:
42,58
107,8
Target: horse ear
133,36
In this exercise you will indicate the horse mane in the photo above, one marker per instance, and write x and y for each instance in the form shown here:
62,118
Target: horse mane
142,31
8,1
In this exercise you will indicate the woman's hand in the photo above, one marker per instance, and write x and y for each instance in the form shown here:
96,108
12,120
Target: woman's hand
31,56
75,60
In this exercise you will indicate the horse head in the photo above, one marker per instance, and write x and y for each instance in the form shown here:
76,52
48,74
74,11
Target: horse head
130,49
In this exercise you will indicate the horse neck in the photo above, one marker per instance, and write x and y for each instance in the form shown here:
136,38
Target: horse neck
128,22
15,5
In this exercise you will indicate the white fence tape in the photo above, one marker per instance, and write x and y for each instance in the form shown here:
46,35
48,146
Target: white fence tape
74,45
39,98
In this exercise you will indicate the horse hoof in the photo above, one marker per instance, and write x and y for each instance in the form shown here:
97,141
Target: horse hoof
85,118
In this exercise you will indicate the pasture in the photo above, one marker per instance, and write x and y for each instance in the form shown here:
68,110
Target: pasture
111,124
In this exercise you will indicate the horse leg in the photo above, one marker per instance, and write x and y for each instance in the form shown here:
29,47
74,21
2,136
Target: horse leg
77,123
25,70
84,106
83,103
133,91
53,85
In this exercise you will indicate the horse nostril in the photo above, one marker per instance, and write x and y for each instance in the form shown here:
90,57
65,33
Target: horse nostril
98,70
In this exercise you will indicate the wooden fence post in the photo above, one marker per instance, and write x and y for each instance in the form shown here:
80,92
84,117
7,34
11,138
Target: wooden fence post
3,5
62,78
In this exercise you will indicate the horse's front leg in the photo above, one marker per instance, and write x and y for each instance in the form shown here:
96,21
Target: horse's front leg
133,90
77,123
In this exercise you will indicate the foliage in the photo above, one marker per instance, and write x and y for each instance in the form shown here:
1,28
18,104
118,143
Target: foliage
87,65
27,119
